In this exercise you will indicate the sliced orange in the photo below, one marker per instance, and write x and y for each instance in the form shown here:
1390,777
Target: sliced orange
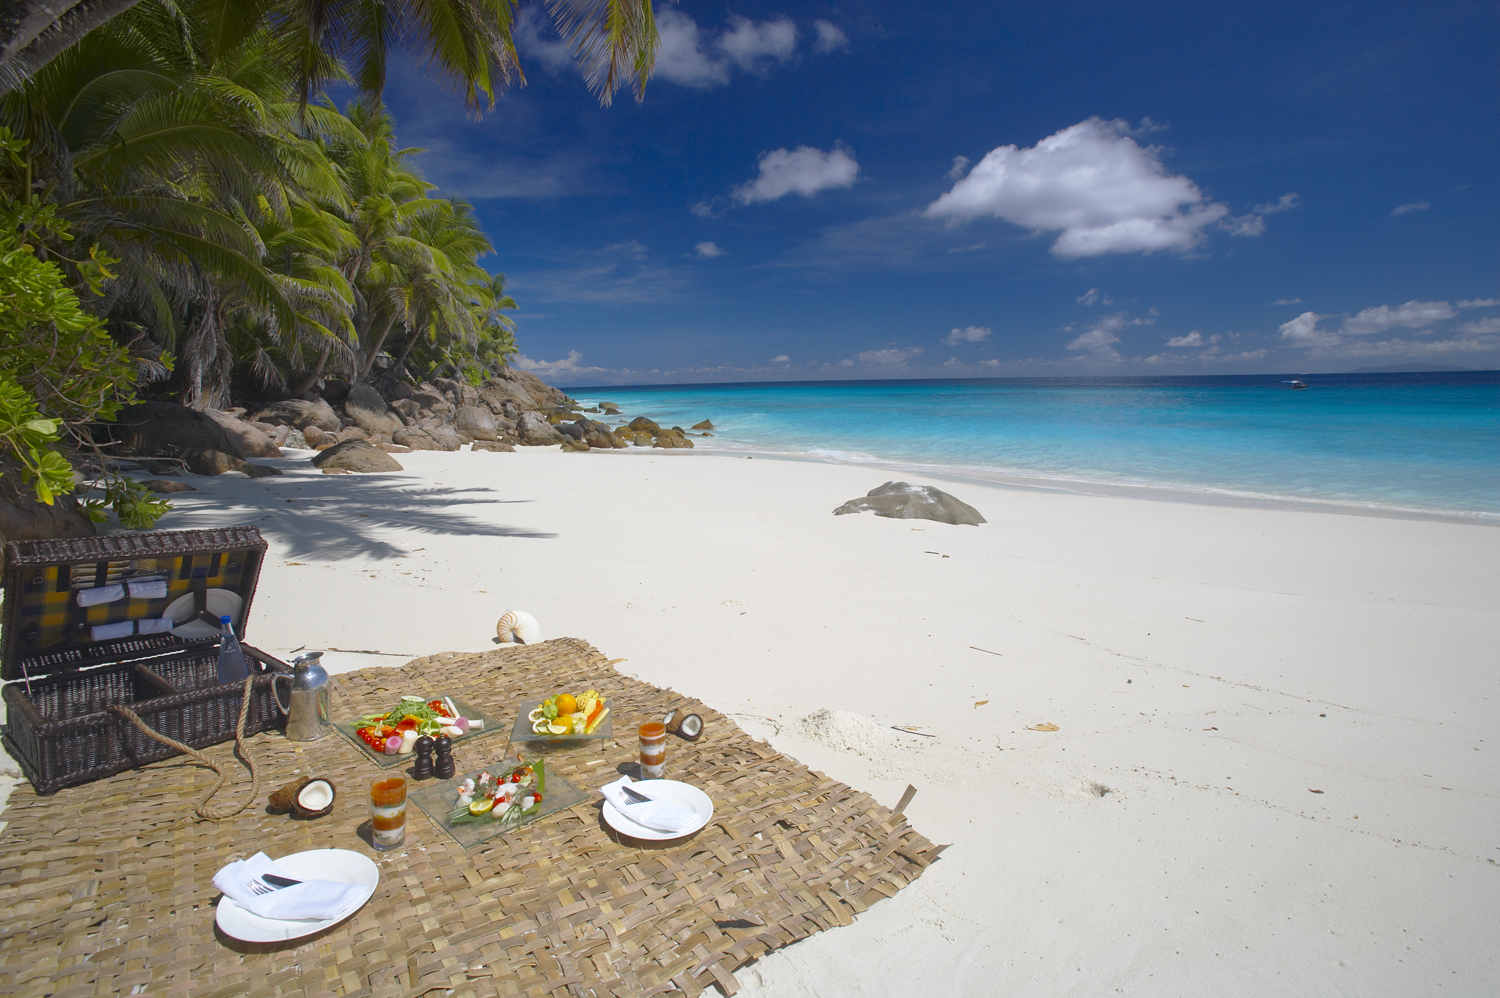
566,704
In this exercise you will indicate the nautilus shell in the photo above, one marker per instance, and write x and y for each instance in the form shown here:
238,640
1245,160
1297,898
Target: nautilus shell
518,627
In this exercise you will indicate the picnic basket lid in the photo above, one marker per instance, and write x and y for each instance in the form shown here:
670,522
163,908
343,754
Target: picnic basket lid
45,629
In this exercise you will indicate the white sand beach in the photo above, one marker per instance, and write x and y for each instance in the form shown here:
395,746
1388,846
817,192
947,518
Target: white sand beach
1296,715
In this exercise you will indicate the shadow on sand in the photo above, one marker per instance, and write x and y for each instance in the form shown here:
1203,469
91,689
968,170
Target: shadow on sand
341,516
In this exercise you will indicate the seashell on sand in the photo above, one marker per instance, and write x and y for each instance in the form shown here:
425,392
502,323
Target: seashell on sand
518,627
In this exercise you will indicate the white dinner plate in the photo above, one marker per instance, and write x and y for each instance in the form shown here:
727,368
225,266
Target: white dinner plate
219,602
684,795
339,865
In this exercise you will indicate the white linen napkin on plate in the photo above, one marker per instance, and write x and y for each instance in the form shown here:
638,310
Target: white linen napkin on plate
655,814
311,899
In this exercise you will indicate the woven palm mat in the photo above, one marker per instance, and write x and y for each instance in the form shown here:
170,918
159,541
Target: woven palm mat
107,887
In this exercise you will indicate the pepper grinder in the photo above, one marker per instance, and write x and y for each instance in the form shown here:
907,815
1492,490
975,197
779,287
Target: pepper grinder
445,768
422,768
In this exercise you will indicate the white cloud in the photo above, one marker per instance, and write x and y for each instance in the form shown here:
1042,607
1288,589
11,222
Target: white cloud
1303,331
846,362
708,250
1412,315
890,357
1359,334
748,42
633,249
1193,339
783,359
1093,296
960,164
968,334
1097,339
1092,183
1254,223
538,39
829,37
1287,301
567,366
1478,302
804,171
1402,209
680,57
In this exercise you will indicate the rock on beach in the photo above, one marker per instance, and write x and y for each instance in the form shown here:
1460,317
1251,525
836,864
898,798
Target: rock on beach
905,501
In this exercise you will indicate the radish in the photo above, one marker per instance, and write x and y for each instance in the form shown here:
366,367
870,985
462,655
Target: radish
393,745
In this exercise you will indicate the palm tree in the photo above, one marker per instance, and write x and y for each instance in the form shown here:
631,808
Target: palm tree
468,44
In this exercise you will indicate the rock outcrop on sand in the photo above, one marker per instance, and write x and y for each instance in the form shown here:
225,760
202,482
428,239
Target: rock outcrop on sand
904,501
356,427
198,440
355,456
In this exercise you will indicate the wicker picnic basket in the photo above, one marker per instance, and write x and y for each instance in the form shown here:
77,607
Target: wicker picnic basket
64,687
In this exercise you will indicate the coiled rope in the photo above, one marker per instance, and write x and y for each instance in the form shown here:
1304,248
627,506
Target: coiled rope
203,810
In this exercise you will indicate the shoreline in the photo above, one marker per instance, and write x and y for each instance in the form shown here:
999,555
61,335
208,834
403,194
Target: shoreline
1190,495
1298,753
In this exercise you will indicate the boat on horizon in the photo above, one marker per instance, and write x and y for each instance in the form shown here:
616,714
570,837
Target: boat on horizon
1296,384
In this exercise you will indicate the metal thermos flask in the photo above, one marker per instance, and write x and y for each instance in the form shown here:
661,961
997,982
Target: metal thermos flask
307,714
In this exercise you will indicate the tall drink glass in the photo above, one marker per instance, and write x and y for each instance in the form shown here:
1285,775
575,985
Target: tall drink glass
653,750
388,812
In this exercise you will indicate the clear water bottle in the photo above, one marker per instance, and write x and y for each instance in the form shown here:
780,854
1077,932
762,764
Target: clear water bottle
232,665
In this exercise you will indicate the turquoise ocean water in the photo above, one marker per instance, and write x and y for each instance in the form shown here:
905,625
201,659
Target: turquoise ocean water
1395,443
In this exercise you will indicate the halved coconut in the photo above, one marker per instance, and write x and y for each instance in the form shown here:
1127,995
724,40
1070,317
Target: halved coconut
314,800
688,726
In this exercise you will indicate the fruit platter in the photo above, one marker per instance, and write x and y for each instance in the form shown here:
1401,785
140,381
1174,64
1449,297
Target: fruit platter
564,717
389,737
496,800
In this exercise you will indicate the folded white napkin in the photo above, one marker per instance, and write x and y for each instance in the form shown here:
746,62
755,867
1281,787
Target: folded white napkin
148,588
154,625
100,594
655,814
311,899
108,632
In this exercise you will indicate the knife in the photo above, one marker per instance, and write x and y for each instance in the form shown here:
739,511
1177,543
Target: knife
636,796
271,878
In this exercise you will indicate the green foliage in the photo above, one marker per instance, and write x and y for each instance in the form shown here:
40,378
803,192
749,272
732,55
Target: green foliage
135,505
60,369
27,435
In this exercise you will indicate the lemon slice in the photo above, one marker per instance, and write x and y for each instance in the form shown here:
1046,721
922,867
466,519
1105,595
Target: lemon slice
481,804
559,729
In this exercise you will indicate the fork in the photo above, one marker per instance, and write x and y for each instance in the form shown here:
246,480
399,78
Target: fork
269,883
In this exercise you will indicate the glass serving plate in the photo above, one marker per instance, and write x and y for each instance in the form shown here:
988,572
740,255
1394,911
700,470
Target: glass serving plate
523,732
439,800
350,730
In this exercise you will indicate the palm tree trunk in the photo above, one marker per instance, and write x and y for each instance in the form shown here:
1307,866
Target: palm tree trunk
364,371
313,375
411,341
32,32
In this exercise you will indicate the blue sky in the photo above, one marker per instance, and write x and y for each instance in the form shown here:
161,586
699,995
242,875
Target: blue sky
865,190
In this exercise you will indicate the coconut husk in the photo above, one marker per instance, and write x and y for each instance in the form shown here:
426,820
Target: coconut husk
285,799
